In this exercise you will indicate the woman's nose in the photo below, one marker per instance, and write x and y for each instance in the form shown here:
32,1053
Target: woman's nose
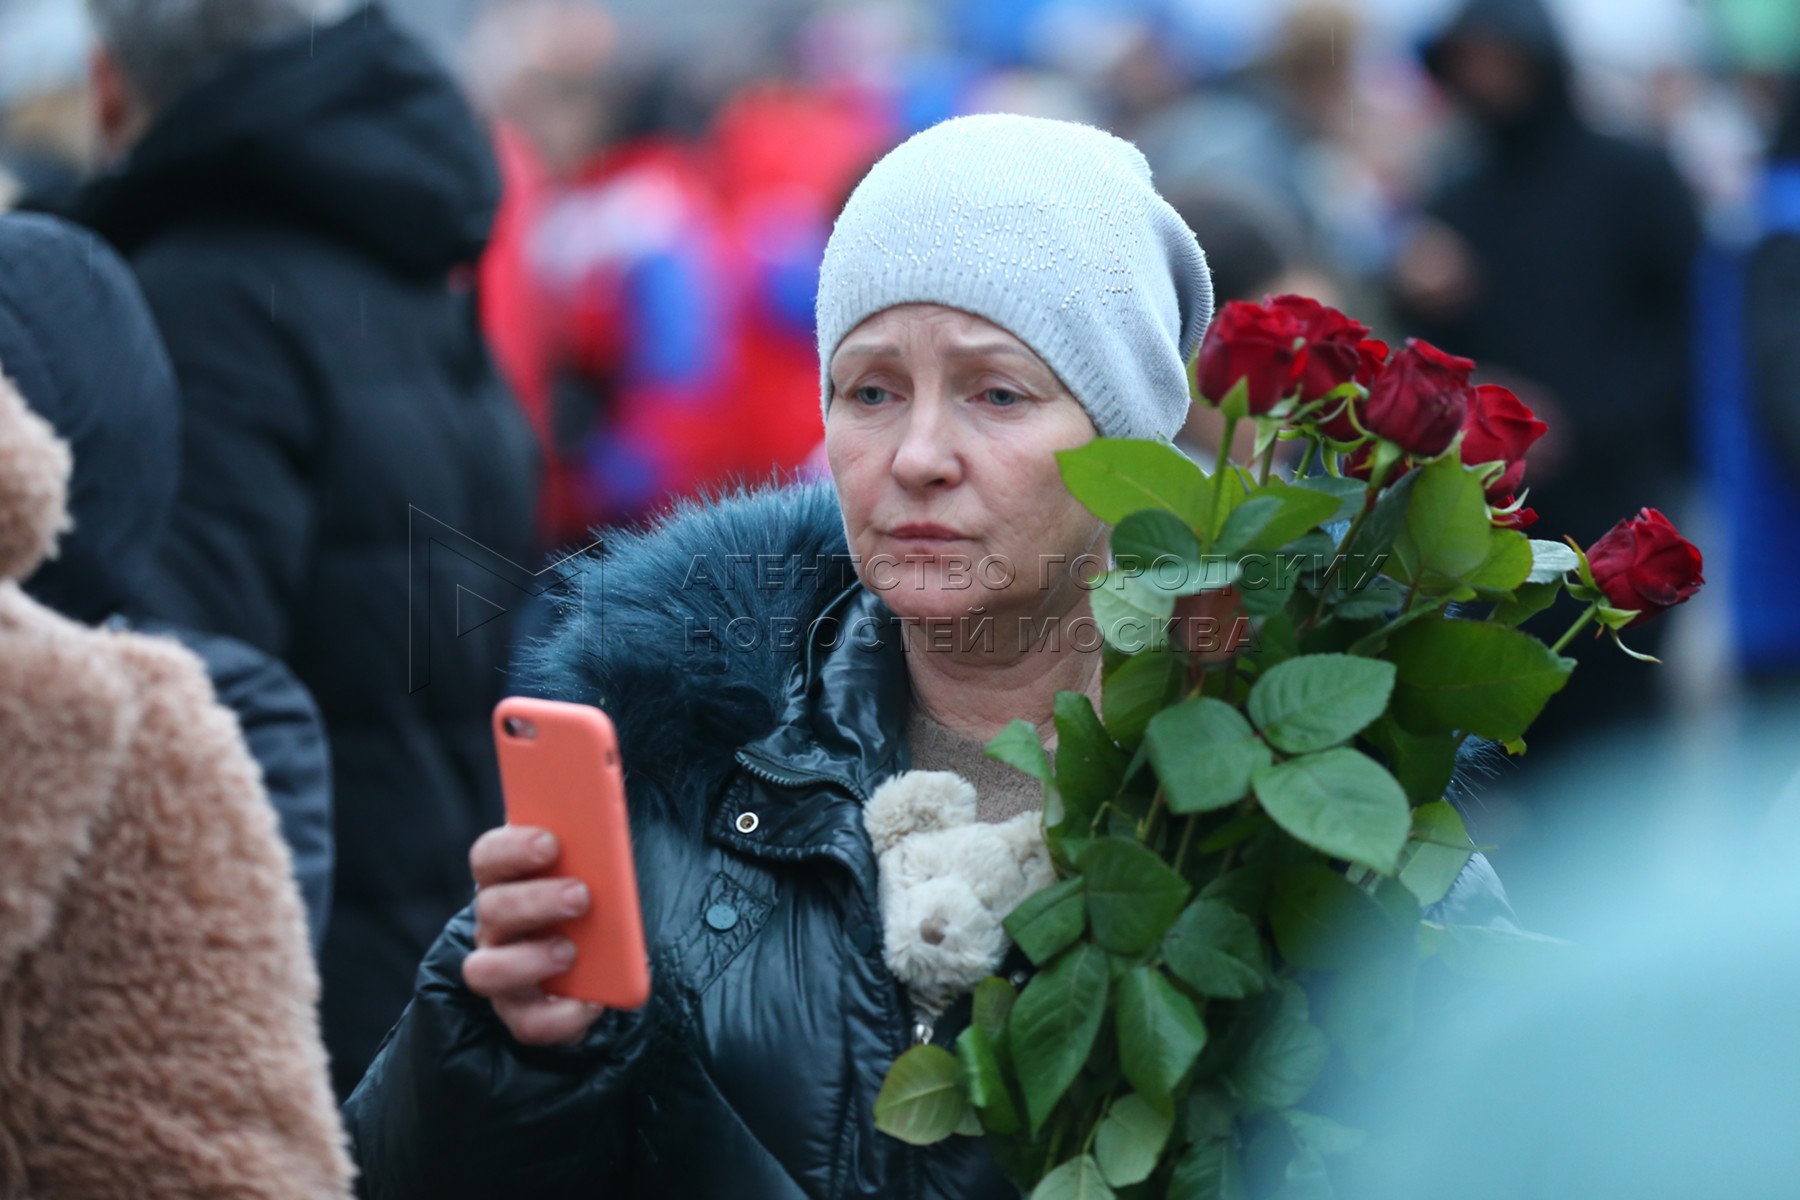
929,454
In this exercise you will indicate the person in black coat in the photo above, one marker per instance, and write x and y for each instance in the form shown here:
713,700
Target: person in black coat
1559,258
115,404
301,202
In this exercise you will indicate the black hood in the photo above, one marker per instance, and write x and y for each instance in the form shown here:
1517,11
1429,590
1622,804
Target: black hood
78,341
1525,25
354,131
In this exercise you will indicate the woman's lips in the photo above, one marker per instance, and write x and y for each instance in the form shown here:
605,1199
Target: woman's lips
925,532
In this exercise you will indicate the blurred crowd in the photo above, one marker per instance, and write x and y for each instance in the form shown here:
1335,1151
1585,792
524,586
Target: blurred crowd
552,263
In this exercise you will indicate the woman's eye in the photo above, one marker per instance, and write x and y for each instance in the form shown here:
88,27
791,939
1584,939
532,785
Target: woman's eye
871,395
1002,397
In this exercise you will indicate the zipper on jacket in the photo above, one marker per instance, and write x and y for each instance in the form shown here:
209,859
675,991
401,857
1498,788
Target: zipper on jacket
797,779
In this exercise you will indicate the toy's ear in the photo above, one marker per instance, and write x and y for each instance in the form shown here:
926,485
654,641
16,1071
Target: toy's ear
917,801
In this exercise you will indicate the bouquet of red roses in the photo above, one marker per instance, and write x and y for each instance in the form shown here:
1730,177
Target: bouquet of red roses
1251,834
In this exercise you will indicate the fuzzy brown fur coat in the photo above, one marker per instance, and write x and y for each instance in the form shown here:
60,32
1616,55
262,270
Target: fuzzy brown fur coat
158,1036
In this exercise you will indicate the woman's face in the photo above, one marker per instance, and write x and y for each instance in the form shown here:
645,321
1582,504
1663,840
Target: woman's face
942,433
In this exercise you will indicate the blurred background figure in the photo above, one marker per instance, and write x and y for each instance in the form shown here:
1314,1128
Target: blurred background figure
302,191
47,136
121,416
1750,353
1561,258
650,287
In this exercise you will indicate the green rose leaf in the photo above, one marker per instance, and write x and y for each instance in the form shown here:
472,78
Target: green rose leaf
1047,922
993,1001
1077,1179
1550,561
1349,494
1318,700
1133,615
1438,852
1266,579
1131,1138
1470,675
982,1081
1322,921
1135,691
1018,745
1204,753
1132,895
1528,600
1385,521
1209,1170
1295,511
920,1102
1246,522
1088,765
1341,803
1281,1064
1143,539
1215,950
1423,763
1053,1027
1446,534
1506,566
1376,598
1160,1032
1115,477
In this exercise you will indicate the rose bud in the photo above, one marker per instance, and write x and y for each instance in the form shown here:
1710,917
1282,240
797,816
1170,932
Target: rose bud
1643,563
1360,464
1371,354
1420,398
1518,518
1499,428
1332,340
1258,345
1210,625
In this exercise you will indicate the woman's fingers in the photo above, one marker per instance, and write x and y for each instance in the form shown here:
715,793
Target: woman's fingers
546,1020
511,852
507,912
517,969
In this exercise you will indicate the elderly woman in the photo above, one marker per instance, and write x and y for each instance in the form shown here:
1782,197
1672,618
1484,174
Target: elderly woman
996,290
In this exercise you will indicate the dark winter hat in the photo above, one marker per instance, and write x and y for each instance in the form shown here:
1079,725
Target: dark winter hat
79,343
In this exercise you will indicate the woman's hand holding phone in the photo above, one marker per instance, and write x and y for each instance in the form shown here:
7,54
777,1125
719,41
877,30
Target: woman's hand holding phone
517,946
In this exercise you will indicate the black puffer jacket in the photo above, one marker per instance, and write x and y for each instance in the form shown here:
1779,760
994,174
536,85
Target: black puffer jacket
352,469
753,1070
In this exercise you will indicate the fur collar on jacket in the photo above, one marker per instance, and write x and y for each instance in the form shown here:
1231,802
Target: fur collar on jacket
689,633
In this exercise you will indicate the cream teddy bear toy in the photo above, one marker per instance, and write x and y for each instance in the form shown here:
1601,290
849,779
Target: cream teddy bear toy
947,882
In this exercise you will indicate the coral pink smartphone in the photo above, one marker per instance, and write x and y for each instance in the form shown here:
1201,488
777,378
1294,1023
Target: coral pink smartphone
559,767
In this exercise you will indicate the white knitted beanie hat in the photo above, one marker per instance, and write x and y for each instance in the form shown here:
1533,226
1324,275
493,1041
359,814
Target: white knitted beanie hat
1053,231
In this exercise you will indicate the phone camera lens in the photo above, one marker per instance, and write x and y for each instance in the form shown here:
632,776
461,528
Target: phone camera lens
519,727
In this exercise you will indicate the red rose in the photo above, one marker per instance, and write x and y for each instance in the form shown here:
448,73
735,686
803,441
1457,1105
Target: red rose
1643,563
1371,355
1420,398
1262,346
1331,344
1499,428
